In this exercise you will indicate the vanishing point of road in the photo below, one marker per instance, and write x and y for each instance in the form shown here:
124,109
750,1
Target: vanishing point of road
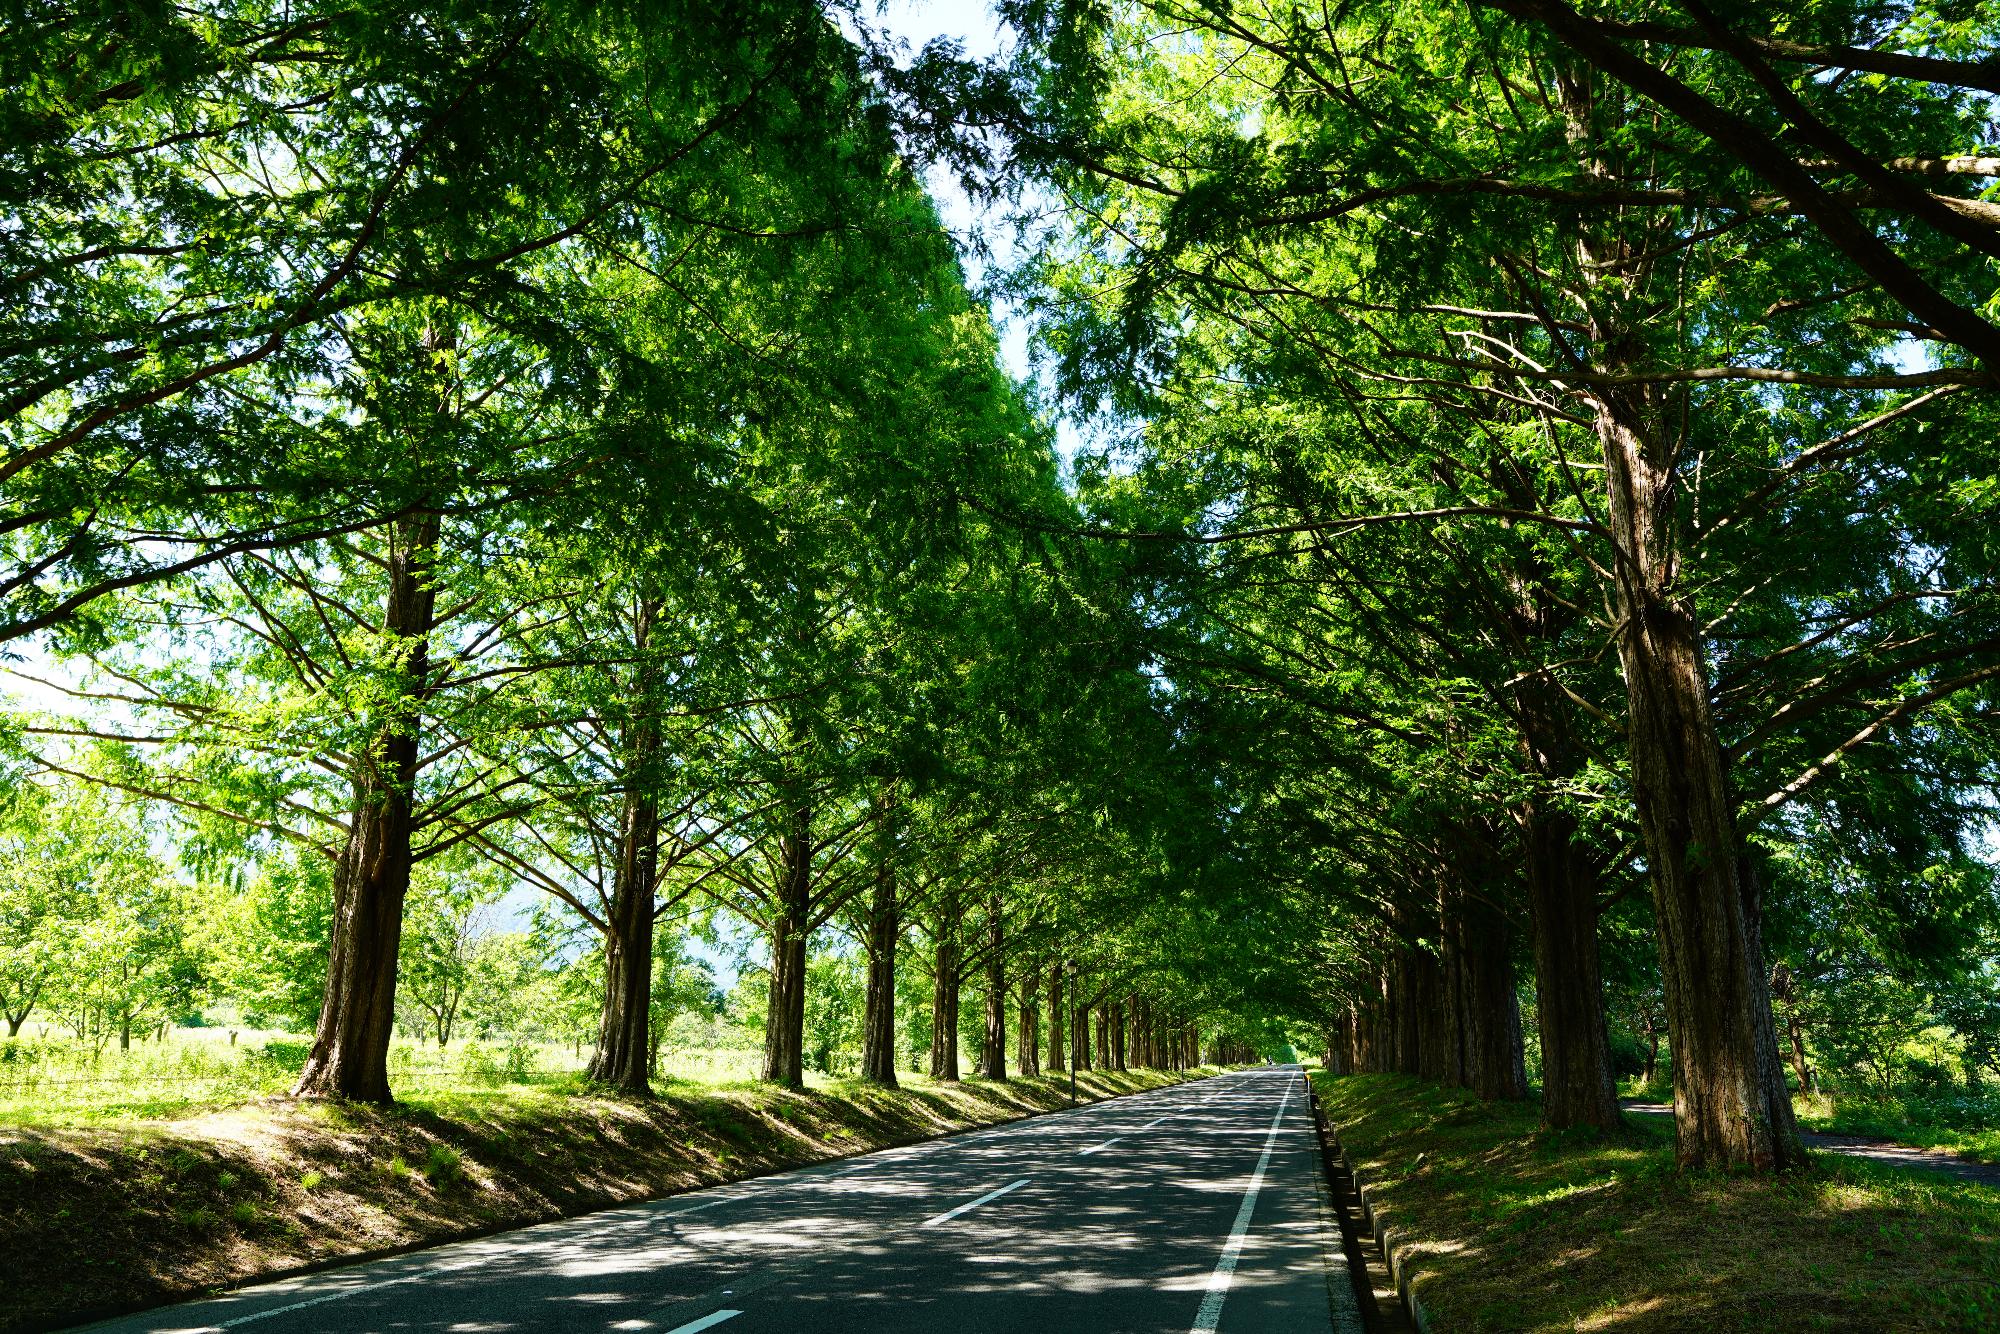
1195,1209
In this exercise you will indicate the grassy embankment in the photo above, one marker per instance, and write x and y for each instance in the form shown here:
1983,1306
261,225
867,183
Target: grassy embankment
108,1210
1512,1228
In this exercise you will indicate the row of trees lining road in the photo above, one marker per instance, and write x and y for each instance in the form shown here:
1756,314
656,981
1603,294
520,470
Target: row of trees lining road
473,450
1556,445
532,465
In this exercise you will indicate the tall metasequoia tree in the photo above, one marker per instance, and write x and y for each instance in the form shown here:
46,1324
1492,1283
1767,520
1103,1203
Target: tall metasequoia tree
624,1048
947,920
1058,1048
349,1057
1028,1011
790,926
993,1044
884,933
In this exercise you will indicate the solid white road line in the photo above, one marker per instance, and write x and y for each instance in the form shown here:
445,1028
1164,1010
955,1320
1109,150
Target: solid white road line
950,1214
1085,1153
706,1322
1210,1315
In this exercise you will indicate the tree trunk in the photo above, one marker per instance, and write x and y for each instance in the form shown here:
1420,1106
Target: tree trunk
350,1051
624,1049
878,1022
1479,974
1782,987
785,1016
1079,1023
1577,1084
1058,1045
1731,1107
624,1054
1028,1043
944,990
993,1044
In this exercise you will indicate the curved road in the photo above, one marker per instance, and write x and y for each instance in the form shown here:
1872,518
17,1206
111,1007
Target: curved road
1196,1209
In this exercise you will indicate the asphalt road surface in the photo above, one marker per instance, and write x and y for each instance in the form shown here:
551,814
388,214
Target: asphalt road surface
1196,1209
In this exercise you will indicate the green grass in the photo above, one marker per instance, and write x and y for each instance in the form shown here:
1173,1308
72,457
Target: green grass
51,1080
1513,1228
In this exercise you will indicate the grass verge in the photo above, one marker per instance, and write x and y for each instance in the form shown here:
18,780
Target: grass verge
121,1214
1514,1228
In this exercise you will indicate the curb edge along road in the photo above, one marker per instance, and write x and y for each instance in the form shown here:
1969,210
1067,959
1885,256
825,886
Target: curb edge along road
1395,1253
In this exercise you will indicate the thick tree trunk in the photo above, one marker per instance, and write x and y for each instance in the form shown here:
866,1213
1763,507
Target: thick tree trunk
878,1022
350,1051
785,1015
624,1053
1731,1107
1577,1084
1058,1044
1028,1009
1079,1023
1479,975
993,1044
945,990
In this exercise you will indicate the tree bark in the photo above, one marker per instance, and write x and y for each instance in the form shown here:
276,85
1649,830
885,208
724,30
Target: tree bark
350,1052
1731,1107
1079,1023
945,989
1577,1084
878,1023
624,1053
785,1015
1479,970
1028,1043
1058,1045
993,1047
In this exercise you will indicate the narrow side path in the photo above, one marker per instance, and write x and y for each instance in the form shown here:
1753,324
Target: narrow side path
1874,1150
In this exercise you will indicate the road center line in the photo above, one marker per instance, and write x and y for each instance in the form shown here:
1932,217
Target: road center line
706,1322
1210,1315
969,1205
1085,1153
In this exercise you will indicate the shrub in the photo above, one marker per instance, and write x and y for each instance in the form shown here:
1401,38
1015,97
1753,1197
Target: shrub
443,1166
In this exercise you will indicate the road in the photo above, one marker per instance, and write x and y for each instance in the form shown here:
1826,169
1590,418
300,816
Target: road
1196,1209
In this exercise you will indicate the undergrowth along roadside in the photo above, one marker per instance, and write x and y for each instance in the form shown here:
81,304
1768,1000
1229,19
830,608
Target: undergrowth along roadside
149,1211
1511,1228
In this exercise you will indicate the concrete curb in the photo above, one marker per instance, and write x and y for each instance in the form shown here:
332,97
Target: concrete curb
1394,1252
